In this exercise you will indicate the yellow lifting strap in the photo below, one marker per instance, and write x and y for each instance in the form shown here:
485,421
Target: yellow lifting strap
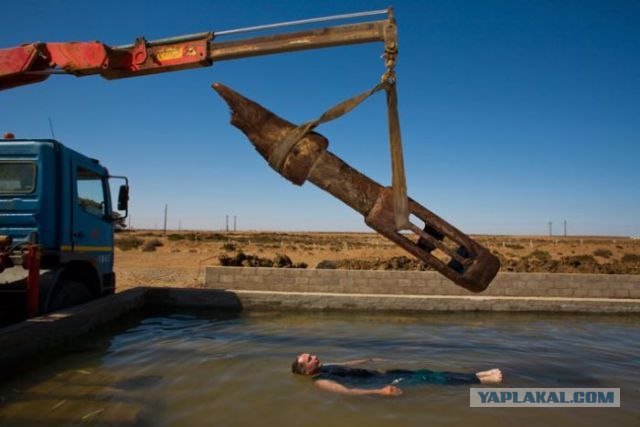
398,182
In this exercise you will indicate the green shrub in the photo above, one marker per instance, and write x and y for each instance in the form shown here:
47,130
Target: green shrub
631,258
578,261
151,245
282,261
245,260
604,253
214,237
540,255
327,264
128,242
514,246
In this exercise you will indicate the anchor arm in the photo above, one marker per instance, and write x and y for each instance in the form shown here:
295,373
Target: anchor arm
460,258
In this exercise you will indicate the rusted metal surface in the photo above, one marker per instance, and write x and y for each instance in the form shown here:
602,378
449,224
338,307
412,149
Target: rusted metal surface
35,62
300,40
436,242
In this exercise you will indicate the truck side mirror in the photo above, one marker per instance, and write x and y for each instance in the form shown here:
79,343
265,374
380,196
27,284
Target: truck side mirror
123,198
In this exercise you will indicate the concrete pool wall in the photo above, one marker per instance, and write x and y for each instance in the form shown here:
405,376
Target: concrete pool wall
424,290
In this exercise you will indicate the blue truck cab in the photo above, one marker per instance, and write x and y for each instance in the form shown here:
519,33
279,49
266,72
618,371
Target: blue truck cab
58,199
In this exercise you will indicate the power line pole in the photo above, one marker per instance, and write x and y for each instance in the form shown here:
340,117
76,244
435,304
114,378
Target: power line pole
550,228
226,226
165,219
565,228
234,223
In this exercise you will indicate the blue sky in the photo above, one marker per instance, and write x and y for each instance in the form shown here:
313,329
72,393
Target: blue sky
513,113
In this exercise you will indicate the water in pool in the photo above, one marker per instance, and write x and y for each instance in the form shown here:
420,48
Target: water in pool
208,368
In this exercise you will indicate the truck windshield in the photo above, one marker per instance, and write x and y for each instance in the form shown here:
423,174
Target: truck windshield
17,177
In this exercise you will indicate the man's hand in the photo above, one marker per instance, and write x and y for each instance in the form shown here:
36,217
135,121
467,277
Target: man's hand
390,390
492,376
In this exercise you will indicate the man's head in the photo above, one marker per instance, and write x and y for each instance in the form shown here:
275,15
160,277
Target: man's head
305,364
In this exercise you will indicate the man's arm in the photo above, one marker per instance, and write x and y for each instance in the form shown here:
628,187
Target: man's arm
335,387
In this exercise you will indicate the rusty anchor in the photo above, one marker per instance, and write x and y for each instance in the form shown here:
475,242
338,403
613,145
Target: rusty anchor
437,243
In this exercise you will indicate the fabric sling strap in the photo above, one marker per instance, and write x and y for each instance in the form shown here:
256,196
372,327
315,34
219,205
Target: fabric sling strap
398,182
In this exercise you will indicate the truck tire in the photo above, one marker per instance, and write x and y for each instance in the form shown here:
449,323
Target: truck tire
67,294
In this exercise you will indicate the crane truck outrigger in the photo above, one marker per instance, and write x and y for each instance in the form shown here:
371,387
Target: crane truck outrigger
297,153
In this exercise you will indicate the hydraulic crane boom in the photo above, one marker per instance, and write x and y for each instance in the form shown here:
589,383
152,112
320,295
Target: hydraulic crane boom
35,62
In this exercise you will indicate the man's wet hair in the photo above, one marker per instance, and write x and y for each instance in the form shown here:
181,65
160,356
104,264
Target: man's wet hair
297,368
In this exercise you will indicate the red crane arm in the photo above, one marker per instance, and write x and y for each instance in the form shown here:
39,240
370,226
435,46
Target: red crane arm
35,62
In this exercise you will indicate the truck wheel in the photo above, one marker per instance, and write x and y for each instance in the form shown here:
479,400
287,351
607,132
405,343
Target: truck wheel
67,294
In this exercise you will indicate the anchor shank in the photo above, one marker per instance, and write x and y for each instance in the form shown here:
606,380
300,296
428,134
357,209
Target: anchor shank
345,183
308,160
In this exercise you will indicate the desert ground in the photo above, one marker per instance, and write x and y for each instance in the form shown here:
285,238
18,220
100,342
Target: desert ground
178,258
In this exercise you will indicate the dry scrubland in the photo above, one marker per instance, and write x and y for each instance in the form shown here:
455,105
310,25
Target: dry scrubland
178,258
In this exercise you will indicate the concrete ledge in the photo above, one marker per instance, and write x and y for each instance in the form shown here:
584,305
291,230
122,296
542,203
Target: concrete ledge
27,339
302,289
421,283
219,299
420,303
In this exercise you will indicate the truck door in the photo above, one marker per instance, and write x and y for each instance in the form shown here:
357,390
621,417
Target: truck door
92,227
